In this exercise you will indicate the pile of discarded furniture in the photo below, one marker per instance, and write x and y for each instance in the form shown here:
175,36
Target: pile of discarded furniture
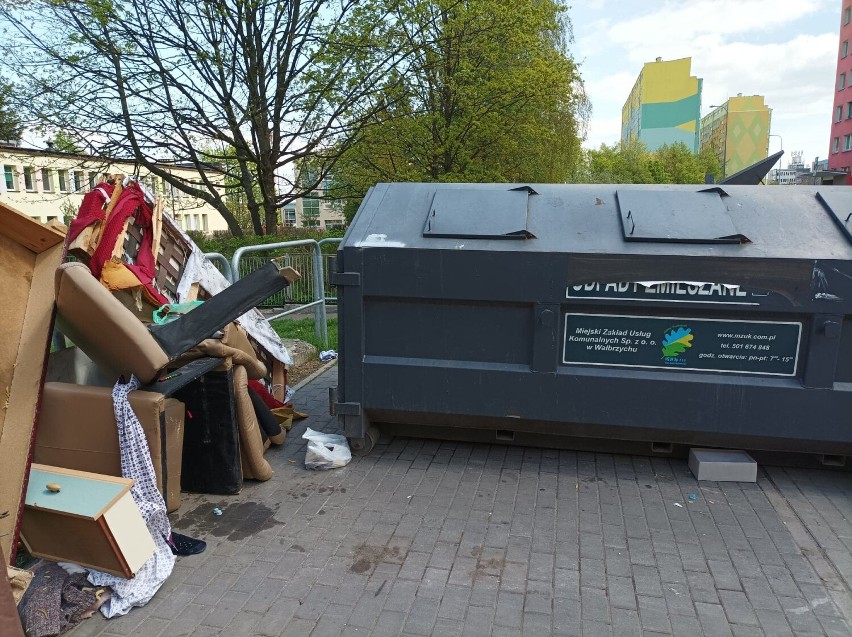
132,310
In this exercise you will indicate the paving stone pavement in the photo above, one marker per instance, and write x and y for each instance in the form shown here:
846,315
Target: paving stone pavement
444,538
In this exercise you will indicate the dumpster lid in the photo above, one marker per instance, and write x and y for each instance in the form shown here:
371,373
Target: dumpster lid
838,202
677,216
479,214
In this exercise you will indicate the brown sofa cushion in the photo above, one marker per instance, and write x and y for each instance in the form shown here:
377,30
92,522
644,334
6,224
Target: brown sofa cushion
234,346
255,466
76,430
102,327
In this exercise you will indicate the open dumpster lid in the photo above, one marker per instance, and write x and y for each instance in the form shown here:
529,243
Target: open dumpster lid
479,214
677,216
838,202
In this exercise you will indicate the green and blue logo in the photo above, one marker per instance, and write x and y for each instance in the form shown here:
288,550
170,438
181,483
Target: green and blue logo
676,340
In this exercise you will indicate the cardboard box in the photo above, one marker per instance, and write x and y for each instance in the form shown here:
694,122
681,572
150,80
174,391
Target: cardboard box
77,430
85,518
29,254
10,625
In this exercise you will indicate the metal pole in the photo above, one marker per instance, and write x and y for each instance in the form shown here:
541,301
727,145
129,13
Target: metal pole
320,326
319,292
226,266
235,260
321,243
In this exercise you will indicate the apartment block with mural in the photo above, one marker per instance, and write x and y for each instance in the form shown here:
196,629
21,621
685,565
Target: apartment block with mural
738,132
664,106
48,185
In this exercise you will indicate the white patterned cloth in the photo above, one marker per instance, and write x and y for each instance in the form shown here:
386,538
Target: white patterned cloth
136,464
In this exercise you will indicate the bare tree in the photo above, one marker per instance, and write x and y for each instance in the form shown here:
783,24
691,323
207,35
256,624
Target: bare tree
249,87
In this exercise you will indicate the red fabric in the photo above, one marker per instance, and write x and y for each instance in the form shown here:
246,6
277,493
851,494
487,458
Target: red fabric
268,399
91,210
131,202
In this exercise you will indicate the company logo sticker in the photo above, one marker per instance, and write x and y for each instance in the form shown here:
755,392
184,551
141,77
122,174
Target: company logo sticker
676,340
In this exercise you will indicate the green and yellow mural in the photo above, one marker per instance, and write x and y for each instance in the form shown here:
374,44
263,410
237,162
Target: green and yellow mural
738,131
664,106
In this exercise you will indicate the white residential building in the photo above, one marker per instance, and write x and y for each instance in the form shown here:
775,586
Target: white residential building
313,212
47,185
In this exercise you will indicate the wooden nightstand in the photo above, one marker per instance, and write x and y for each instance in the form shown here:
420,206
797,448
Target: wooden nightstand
92,521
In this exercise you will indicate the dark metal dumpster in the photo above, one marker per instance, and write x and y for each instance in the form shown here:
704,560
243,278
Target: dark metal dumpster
560,314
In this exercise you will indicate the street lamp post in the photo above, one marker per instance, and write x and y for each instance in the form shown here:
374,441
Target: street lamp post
782,148
779,138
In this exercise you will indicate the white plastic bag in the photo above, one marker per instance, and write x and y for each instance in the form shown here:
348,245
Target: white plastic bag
326,451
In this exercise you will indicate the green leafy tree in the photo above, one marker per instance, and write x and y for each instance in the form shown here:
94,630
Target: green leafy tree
623,163
266,82
64,142
632,163
11,128
489,93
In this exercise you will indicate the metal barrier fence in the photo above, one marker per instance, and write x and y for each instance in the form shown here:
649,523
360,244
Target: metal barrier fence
306,256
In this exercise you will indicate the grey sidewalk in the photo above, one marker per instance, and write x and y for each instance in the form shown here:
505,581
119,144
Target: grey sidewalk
445,538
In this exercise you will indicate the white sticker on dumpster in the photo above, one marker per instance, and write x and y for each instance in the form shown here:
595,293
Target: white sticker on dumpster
718,345
672,291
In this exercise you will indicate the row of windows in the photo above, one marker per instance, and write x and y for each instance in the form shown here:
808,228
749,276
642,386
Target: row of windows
847,144
62,180
53,180
193,222
838,111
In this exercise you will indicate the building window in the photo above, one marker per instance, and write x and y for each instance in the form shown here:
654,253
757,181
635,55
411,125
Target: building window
46,181
835,145
838,113
847,142
62,177
841,82
844,49
29,178
93,180
11,177
79,180
204,223
289,217
310,212
846,14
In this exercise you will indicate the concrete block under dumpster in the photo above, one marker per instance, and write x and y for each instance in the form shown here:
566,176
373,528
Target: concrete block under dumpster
557,315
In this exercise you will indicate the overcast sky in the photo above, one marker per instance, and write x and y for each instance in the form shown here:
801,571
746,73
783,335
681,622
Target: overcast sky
785,50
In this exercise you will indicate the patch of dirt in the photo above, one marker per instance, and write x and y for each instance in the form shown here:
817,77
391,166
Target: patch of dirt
297,374
367,557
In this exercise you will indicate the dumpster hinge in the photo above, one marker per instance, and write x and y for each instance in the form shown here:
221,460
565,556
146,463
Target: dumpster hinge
346,278
347,409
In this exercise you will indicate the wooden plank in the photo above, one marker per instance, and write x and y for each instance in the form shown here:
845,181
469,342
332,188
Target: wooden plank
127,529
26,282
29,233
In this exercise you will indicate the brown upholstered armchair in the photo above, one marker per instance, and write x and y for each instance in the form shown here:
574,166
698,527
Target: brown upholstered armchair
119,343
